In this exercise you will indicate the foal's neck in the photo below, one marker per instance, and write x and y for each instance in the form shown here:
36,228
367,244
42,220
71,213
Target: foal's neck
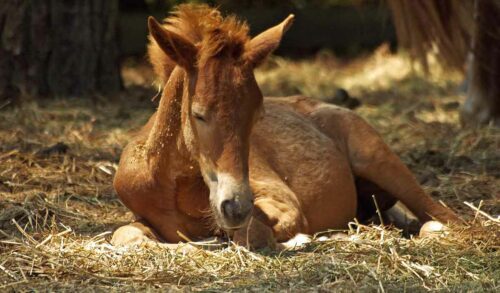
165,150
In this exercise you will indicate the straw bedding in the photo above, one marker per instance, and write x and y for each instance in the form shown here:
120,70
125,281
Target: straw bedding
58,209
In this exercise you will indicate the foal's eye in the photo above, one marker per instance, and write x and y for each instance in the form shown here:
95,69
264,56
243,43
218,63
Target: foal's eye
199,117
199,112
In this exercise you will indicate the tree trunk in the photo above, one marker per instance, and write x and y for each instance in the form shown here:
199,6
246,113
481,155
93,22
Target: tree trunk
483,96
58,48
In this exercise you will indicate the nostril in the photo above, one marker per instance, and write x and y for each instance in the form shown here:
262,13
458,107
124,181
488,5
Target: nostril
228,208
233,211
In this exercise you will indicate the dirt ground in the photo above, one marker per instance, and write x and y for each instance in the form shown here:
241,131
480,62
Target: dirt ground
58,208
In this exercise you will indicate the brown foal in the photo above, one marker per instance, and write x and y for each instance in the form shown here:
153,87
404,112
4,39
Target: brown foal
216,155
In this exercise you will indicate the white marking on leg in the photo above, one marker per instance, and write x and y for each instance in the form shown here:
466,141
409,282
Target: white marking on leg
433,229
297,241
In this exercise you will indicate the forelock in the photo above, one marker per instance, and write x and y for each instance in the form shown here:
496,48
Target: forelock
213,34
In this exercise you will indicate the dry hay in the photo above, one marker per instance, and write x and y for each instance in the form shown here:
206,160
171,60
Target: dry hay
57,206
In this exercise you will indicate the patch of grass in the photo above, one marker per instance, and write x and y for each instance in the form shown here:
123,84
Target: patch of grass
58,208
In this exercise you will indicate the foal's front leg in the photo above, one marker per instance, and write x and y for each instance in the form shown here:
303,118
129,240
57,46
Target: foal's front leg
277,221
140,233
256,235
134,233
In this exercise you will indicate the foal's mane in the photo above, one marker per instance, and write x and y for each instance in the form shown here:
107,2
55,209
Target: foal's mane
207,29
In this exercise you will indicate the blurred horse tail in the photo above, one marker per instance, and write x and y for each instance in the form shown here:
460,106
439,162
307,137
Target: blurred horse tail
460,32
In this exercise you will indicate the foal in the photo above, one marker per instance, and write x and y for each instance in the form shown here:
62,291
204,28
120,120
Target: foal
217,156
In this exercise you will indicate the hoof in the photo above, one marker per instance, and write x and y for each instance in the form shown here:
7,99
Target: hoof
298,241
334,236
128,235
433,229
339,236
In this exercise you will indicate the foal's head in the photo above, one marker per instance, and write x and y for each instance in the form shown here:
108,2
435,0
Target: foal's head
223,101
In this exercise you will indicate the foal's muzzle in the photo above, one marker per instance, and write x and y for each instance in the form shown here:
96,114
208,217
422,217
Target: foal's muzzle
233,202
236,212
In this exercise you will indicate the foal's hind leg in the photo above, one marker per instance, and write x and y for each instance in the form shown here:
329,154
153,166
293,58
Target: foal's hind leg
368,193
398,216
392,212
372,160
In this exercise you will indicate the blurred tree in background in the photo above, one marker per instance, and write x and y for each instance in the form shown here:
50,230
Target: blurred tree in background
58,48
242,4
346,27
72,48
456,28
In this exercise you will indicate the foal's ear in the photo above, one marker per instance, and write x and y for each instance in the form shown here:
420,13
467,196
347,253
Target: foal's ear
266,42
177,48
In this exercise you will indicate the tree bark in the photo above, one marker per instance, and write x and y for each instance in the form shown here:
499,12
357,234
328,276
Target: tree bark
58,48
483,95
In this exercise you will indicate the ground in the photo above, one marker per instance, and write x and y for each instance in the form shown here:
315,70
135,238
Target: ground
58,208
